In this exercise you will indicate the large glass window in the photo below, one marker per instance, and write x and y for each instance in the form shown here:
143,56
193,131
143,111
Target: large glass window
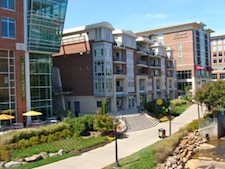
7,79
40,83
8,27
186,74
45,24
8,4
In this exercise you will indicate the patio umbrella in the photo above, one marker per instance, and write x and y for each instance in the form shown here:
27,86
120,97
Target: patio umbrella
32,113
8,111
6,117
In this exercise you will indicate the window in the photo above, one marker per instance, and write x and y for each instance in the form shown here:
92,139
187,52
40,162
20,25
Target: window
220,60
222,76
98,34
214,54
219,41
214,48
99,104
220,54
186,74
8,4
99,68
219,48
214,76
215,61
8,27
214,42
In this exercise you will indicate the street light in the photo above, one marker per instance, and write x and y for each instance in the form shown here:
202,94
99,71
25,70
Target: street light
169,109
115,121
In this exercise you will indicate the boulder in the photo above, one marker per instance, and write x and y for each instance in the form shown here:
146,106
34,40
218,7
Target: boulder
60,152
44,155
53,154
34,157
12,164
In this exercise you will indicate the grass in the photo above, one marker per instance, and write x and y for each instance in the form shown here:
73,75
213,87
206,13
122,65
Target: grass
45,161
68,144
148,157
180,109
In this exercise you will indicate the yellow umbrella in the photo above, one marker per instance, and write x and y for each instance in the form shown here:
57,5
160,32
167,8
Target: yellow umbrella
32,113
8,111
6,117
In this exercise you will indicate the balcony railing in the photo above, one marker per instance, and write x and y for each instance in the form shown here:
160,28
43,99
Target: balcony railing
142,62
119,59
141,87
119,89
119,72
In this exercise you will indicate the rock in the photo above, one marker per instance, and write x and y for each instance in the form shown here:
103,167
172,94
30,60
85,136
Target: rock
53,154
184,159
35,157
60,152
191,147
20,160
12,164
2,164
205,158
44,155
210,167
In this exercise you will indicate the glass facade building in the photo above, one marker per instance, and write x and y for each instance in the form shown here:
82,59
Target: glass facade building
45,21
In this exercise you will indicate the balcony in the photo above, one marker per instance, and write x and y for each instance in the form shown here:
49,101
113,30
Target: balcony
119,72
119,59
142,52
155,65
118,45
142,63
141,87
119,89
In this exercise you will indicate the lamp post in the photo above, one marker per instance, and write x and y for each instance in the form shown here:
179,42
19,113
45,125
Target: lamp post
198,110
116,147
169,108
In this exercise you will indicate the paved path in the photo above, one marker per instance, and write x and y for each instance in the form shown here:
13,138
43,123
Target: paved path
103,156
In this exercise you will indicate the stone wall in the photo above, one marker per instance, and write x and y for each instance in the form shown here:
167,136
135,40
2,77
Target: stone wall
189,145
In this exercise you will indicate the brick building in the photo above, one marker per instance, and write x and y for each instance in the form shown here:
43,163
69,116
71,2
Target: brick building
218,57
30,34
99,62
190,43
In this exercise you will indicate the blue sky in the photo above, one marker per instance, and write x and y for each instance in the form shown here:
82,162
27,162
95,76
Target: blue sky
140,15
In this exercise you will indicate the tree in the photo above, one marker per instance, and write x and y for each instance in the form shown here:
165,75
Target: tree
212,94
104,106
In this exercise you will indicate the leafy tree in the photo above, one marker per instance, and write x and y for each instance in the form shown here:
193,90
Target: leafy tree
212,94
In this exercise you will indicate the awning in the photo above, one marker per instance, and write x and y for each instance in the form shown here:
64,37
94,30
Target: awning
209,68
197,67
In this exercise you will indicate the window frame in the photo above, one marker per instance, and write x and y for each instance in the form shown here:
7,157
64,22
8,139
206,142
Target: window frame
8,5
7,20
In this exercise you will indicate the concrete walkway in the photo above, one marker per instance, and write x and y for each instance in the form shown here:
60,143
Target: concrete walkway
135,141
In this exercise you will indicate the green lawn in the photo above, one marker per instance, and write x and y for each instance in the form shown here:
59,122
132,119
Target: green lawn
68,144
148,157
71,146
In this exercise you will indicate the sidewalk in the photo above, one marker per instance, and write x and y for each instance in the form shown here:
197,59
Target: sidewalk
135,141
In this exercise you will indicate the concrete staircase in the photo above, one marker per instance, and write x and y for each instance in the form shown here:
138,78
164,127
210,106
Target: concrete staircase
140,122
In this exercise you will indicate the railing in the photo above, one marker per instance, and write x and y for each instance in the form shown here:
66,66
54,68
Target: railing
207,122
143,62
119,89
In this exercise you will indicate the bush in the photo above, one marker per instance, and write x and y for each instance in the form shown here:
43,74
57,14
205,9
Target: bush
23,143
158,110
88,121
103,123
4,154
194,125
34,140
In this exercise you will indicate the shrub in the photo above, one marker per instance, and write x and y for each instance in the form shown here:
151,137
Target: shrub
34,140
4,154
88,121
194,125
103,123
23,143
158,110
43,138
77,127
